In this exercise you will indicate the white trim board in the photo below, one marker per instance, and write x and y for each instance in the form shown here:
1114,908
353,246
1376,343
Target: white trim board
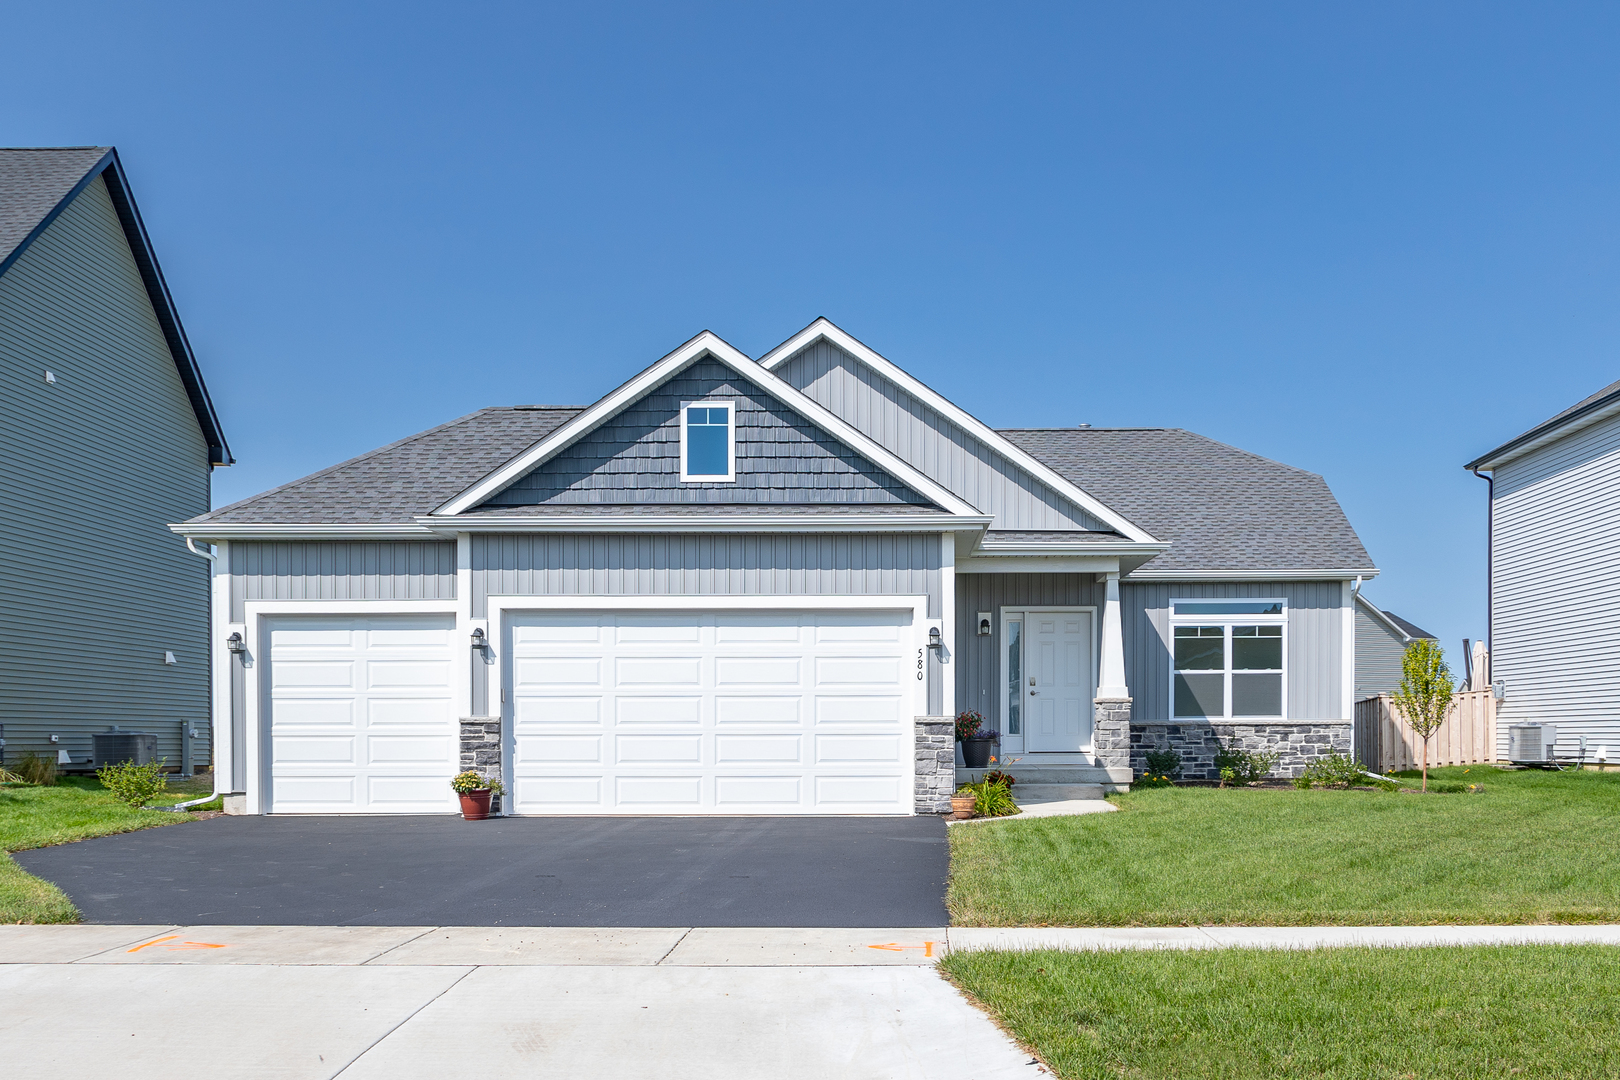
1247,575
705,344
824,328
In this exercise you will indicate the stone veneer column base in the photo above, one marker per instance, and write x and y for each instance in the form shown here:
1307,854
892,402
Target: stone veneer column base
1111,737
481,750
1296,743
936,764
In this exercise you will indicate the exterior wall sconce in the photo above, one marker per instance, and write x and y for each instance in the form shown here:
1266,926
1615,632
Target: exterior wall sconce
984,624
479,641
235,644
935,641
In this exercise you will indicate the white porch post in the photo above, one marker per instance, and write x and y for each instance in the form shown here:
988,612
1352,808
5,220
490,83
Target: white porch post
1111,680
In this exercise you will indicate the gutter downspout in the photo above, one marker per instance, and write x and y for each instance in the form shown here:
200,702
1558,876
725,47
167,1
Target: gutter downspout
213,559
1490,519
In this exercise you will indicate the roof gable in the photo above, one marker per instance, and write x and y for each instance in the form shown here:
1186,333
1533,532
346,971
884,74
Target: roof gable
634,456
938,437
705,345
37,185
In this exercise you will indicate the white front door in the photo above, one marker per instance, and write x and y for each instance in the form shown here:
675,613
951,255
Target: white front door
712,712
1058,682
362,716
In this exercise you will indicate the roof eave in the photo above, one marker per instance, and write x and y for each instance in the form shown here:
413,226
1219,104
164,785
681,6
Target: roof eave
1550,431
1279,574
446,524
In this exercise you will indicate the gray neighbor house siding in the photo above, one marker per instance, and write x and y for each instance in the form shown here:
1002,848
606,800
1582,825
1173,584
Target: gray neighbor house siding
92,469
1555,581
1378,657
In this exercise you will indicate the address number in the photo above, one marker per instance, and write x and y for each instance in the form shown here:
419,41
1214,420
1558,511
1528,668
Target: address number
920,664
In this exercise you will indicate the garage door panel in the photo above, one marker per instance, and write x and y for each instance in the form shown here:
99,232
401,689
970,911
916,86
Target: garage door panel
686,711
716,712
566,630
558,671
547,710
758,710
361,715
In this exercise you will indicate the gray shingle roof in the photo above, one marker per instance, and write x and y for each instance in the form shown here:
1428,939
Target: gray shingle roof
413,476
1411,629
33,182
1221,508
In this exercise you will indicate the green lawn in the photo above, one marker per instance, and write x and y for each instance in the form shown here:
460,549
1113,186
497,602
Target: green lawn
74,809
1516,1012
1534,847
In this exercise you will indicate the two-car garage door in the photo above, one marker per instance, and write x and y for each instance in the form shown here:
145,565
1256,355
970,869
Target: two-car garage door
609,712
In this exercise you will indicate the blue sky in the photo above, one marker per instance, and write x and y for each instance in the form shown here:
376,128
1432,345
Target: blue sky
1371,241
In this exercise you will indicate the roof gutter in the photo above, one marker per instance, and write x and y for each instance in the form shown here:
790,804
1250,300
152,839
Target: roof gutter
450,524
1544,433
1324,574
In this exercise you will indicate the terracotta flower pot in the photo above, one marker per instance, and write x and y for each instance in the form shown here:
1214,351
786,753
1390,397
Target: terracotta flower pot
962,804
475,804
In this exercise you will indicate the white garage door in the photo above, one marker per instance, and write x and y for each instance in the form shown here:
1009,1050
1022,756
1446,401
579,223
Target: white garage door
362,717
712,712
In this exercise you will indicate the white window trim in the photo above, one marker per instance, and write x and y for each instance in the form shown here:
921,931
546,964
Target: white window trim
1227,622
731,441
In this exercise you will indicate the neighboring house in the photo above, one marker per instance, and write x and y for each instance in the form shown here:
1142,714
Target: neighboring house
1381,641
743,586
1553,578
108,437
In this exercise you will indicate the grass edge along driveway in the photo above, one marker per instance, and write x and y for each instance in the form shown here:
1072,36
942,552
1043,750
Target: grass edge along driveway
1516,1011
1527,850
74,809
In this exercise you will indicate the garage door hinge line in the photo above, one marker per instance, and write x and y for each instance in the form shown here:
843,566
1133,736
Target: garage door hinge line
403,1022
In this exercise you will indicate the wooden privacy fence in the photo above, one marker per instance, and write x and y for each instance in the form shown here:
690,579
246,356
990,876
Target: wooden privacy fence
1386,744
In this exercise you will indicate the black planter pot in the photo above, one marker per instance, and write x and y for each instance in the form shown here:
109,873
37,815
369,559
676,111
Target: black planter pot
976,752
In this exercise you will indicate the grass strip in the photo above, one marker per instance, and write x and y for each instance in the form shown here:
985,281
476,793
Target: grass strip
1517,1012
1530,849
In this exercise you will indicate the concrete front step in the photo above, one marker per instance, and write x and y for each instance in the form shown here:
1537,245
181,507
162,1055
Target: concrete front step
1050,774
1041,793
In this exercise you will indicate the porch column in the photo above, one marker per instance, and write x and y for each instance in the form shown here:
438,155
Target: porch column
1111,681
1111,740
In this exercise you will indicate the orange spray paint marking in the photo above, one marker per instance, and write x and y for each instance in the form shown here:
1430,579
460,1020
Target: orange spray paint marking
182,945
927,947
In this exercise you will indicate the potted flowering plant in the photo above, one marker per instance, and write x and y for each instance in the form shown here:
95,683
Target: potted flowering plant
475,792
976,739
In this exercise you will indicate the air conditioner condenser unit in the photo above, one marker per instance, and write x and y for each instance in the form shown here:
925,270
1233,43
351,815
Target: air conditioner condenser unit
1531,744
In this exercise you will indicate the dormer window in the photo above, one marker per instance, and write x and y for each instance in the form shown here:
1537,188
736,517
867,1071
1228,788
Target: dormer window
707,453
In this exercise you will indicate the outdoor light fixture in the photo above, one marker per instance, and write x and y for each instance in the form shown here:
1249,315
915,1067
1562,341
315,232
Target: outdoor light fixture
935,641
478,638
235,644
984,624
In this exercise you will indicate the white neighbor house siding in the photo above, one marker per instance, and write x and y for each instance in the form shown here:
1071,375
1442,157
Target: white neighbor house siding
1555,588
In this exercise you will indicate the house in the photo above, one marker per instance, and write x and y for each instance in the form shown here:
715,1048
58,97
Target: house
1381,641
109,436
1553,577
741,586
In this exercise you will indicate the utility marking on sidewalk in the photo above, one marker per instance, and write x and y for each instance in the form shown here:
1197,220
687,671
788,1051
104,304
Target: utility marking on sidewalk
182,945
927,947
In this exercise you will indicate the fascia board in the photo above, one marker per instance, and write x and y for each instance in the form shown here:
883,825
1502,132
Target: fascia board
1541,435
776,523
1385,620
1325,574
213,530
1035,549
822,328
717,347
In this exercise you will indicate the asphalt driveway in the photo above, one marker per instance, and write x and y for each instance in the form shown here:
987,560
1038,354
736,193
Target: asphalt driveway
442,871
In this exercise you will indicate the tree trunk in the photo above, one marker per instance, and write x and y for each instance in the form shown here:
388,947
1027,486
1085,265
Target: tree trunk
1425,764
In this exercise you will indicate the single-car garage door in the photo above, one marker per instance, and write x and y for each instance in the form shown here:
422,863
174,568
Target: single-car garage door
362,716
771,712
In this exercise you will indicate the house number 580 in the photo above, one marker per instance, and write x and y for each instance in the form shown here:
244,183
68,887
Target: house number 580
919,664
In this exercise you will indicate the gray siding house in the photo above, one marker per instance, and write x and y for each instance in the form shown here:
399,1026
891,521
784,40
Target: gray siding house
1381,641
766,586
1554,575
109,437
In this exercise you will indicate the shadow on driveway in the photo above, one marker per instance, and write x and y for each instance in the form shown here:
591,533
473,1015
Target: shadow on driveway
442,871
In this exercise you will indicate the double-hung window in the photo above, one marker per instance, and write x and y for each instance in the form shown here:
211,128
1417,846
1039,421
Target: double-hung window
1228,658
707,443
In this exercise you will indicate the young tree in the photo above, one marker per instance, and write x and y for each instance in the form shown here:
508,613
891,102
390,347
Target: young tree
1425,694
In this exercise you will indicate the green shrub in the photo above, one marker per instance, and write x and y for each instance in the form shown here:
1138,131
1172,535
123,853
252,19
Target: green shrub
1164,762
33,769
989,799
1147,780
1240,766
467,782
1334,771
134,784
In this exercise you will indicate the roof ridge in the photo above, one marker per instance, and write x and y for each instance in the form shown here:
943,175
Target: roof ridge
251,499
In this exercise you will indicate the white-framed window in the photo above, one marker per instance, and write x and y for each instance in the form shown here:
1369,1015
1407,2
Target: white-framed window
1228,659
708,442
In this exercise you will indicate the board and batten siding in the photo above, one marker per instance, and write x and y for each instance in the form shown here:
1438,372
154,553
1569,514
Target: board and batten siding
93,468
929,442
635,456
1555,573
709,564
978,658
341,570
1314,647
1378,656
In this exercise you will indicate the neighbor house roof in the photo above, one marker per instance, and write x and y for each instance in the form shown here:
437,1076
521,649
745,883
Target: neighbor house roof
36,185
1588,409
1219,507
1411,630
